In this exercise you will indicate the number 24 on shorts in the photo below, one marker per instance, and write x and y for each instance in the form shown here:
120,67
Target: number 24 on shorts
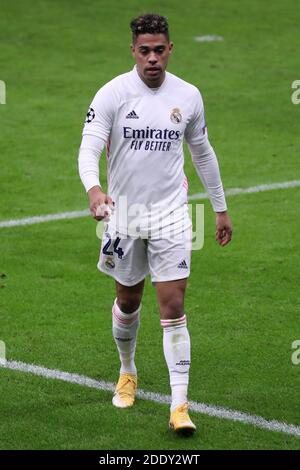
117,249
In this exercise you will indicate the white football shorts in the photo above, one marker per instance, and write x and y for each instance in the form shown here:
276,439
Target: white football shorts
130,260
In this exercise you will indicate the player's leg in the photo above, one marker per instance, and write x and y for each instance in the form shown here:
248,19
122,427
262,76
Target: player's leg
169,261
126,313
125,259
176,339
125,321
177,350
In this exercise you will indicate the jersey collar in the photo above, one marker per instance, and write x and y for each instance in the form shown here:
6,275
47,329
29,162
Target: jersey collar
143,86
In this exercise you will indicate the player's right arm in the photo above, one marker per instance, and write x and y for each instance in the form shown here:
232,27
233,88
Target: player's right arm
88,165
100,203
95,134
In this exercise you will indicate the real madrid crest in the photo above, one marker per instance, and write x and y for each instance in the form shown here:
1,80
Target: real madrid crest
109,262
176,116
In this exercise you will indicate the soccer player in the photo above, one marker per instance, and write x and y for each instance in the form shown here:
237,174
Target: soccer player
142,117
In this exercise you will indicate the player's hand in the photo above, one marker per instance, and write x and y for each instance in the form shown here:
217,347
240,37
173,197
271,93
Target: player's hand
223,228
101,204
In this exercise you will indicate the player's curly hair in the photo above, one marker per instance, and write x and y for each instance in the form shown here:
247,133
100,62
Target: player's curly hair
149,23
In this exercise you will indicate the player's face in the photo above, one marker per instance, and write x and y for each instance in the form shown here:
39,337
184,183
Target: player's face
151,52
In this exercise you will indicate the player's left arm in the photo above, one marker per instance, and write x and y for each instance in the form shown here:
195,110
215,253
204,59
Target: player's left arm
223,228
207,167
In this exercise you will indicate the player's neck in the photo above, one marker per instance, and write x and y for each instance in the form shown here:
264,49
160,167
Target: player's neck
153,84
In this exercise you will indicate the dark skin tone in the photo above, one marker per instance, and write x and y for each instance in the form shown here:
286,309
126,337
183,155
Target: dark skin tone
151,53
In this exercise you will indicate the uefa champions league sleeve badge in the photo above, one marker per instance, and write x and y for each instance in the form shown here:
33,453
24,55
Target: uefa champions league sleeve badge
90,115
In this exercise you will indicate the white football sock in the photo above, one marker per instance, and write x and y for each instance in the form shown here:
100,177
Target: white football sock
177,350
125,327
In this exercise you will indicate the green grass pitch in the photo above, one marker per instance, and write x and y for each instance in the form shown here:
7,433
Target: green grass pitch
242,301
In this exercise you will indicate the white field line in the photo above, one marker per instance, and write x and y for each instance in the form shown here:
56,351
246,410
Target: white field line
76,214
253,189
209,38
44,218
210,410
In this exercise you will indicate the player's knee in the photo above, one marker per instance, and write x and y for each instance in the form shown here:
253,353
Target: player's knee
172,308
129,304
129,298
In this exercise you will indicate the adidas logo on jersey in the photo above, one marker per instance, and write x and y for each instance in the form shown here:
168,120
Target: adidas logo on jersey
182,265
132,115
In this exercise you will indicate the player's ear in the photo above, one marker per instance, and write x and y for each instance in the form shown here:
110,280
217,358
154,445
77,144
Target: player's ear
132,48
171,44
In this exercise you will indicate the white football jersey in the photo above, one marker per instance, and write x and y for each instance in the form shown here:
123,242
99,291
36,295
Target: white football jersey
144,130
